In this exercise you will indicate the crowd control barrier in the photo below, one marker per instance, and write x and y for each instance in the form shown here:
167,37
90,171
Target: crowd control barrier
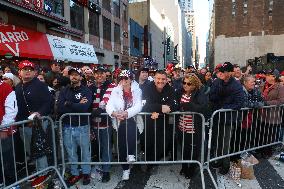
20,158
233,132
149,141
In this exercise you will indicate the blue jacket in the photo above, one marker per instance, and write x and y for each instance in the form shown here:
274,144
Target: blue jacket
226,95
68,102
38,99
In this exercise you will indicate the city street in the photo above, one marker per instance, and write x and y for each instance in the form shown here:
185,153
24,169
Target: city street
269,175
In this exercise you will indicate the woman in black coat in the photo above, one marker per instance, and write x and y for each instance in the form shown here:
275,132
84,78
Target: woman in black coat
192,98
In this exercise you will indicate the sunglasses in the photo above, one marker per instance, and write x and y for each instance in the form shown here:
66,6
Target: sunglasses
185,83
123,78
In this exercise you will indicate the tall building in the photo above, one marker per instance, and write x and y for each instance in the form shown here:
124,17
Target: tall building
75,29
187,8
248,30
163,24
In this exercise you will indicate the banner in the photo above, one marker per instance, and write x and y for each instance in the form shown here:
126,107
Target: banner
22,42
68,50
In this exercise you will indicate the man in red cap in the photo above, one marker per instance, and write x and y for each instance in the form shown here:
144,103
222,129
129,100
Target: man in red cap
34,100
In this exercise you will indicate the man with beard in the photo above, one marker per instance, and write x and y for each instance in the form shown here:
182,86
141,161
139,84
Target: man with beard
76,99
159,99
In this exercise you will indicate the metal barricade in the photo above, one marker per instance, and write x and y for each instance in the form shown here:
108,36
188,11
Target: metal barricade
233,132
17,165
131,144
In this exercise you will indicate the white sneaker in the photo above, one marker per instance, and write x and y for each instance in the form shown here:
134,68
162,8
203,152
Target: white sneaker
125,175
131,158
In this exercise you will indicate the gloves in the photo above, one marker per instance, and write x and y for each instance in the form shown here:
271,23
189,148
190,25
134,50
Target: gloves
97,112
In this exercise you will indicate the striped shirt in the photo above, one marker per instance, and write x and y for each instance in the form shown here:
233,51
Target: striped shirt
186,123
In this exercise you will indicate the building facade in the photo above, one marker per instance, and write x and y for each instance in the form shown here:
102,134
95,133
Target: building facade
248,29
103,24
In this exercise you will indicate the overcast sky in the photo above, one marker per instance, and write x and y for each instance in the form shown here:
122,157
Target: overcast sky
201,9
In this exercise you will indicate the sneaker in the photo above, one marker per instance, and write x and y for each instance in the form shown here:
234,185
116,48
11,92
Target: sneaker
131,158
86,179
73,180
106,177
125,175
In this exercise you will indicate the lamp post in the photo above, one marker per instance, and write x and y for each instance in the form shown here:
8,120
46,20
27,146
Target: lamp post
164,38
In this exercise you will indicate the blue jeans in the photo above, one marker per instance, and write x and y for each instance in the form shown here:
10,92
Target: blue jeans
74,137
103,139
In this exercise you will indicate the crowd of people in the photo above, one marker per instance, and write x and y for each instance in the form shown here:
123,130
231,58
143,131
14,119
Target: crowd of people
123,94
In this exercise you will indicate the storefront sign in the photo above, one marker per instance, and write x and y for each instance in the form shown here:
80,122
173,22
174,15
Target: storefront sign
65,49
38,4
22,42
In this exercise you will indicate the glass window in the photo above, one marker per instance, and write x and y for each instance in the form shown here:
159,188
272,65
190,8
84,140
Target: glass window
76,16
107,28
136,42
57,6
106,5
124,13
116,8
117,33
94,24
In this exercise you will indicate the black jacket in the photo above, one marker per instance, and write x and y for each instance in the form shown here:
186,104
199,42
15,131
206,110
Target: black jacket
38,99
68,102
229,95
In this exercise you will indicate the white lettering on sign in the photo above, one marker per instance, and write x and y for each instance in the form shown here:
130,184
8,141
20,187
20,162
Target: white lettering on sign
15,51
13,37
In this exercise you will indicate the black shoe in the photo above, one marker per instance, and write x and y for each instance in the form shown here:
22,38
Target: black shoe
86,179
182,171
224,170
73,180
106,177
215,164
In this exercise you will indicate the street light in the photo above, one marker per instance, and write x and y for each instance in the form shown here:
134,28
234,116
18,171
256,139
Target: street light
164,38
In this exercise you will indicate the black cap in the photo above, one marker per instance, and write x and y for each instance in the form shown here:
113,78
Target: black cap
75,70
100,69
274,72
226,67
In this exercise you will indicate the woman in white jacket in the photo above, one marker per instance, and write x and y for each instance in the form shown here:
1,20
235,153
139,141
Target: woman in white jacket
124,103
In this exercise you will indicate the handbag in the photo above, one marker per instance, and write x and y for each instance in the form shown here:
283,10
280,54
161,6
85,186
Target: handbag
39,142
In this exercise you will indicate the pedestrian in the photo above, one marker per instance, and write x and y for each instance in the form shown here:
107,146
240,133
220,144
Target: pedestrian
237,72
76,98
34,100
124,103
55,72
159,99
8,112
177,79
226,93
101,124
11,79
141,77
192,98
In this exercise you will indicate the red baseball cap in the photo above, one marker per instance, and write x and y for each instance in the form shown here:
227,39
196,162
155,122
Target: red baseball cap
26,63
217,68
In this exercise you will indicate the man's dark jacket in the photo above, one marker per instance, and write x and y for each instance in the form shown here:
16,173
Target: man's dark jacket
37,96
68,102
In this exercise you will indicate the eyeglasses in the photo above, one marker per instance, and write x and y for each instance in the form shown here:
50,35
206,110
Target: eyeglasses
185,83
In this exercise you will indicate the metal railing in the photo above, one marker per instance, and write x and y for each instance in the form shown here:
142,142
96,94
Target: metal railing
17,163
153,142
233,132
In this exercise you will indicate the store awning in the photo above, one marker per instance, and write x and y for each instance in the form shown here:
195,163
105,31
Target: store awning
22,42
68,50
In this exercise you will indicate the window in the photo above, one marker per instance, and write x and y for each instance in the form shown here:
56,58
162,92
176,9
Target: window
234,8
106,5
117,33
124,13
107,28
76,16
116,8
57,6
94,24
136,42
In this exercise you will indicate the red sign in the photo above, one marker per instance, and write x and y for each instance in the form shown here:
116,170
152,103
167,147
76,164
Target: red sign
23,42
38,4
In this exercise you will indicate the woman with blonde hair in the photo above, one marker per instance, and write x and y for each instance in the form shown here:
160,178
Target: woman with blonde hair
191,98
